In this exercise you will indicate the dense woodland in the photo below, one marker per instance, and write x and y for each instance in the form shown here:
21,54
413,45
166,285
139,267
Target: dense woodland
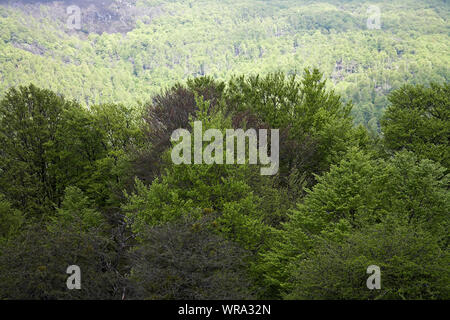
97,188
86,176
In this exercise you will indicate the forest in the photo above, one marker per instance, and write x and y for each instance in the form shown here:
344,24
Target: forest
97,188
87,179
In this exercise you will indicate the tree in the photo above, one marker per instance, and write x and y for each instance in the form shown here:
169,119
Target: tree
120,129
33,265
313,121
413,265
418,120
190,189
48,143
187,260
357,194
51,143
168,111
11,220
76,211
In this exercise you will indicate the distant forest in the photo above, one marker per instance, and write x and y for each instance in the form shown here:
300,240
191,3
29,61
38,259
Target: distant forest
125,51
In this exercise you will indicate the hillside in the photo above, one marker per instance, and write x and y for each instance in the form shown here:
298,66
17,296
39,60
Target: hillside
126,50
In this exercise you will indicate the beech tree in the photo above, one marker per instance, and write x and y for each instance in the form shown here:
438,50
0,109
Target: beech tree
188,260
360,193
313,120
417,120
412,266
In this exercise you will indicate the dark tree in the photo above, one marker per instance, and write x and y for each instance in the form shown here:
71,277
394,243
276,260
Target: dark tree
169,111
34,264
418,120
186,260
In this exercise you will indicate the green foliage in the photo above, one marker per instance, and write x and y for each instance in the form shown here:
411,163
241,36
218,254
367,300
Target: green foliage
119,129
167,41
314,119
40,150
96,187
412,264
50,143
192,189
33,266
11,220
418,119
76,211
358,193
186,260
